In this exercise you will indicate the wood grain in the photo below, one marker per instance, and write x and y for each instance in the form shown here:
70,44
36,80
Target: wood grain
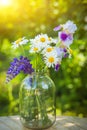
62,123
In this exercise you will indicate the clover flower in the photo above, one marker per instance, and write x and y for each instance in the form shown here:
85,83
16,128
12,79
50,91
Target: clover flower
18,65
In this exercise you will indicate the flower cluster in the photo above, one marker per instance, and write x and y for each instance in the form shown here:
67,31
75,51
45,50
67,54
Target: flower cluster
18,65
66,33
54,50
50,51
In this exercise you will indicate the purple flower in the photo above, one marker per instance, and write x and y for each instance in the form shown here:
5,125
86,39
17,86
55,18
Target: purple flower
66,55
66,39
63,36
57,66
69,26
57,28
64,49
18,65
59,52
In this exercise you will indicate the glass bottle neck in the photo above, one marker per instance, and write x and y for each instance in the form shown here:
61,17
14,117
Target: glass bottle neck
43,71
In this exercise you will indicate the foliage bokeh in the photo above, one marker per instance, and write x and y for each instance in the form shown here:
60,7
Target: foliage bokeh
29,18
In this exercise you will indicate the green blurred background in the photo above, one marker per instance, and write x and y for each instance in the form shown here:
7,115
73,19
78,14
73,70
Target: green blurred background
28,18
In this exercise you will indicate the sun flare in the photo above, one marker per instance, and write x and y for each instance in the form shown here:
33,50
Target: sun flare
5,2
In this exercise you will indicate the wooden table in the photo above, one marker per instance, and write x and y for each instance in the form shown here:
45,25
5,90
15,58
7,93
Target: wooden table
62,123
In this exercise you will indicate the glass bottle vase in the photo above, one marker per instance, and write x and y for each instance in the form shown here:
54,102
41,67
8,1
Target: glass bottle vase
37,101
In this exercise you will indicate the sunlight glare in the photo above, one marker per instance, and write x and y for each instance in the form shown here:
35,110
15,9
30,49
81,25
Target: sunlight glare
5,2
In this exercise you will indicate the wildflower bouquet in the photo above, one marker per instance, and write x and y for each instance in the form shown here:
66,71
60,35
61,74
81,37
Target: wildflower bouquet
37,92
44,51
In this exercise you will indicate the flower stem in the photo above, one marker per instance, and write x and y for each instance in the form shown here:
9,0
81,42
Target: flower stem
22,50
36,62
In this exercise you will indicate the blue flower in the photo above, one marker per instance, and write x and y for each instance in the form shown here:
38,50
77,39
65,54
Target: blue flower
18,65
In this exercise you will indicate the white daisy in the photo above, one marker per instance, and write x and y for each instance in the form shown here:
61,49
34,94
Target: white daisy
51,40
51,60
35,48
34,41
19,42
41,39
69,26
47,49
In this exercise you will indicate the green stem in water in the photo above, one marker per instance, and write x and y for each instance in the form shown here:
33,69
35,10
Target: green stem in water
36,62
42,107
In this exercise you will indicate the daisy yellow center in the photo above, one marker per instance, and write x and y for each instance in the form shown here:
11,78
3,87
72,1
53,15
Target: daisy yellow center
49,49
42,39
19,40
51,59
35,49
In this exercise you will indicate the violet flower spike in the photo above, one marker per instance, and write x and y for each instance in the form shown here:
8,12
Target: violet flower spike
18,65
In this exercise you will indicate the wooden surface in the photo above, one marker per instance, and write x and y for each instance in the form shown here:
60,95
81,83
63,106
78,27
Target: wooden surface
62,123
